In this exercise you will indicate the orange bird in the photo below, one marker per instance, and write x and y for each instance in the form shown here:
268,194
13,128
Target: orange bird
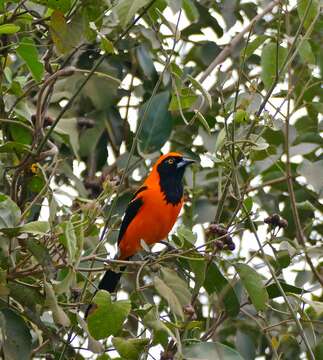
152,212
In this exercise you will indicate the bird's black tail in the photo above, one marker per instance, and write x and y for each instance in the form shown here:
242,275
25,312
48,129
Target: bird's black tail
109,282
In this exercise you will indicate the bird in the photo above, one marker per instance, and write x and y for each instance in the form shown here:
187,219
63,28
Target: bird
151,213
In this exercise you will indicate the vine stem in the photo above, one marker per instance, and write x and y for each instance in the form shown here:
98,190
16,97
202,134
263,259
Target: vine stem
299,230
280,288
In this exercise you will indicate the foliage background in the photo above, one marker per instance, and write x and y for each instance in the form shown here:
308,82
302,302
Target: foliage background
90,93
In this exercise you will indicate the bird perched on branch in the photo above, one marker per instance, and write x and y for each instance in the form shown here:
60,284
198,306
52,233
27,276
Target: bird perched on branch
152,212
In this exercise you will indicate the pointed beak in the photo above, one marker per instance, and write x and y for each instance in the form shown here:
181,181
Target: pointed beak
184,162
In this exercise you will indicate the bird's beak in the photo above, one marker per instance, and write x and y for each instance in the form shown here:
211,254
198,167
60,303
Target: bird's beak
184,162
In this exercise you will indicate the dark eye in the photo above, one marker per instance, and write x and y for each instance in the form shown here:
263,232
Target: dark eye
170,161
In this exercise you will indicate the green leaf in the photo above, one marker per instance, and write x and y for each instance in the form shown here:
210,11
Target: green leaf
61,5
203,121
68,238
178,285
216,282
16,341
252,282
241,116
59,315
319,351
283,258
66,35
11,146
313,172
41,254
64,285
210,351
274,292
318,106
220,140
170,296
185,100
306,52
248,203
35,228
9,29
157,124
25,295
313,10
268,63
198,86
20,134
305,205
190,10
186,235
28,52
198,267
69,128
253,45
107,45
145,62
126,9
130,348
108,317
152,321
9,212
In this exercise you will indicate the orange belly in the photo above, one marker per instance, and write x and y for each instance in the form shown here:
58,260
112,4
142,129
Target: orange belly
152,223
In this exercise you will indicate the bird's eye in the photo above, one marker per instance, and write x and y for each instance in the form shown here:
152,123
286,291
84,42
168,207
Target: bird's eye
170,161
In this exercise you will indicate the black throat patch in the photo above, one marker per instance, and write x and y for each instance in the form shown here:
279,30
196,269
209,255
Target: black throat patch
171,184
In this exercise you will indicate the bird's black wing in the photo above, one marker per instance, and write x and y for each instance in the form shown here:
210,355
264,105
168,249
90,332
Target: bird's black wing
131,211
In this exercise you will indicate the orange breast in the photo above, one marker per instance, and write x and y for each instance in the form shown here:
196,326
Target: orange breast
152,223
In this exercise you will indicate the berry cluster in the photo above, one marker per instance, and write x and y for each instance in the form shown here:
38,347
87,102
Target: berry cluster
226,241
276,221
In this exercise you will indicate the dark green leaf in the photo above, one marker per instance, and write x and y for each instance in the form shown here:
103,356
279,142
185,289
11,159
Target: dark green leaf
312,12
216,282
26,295
17,341
157,124
253,284
198,267
274,292
269,62
145,62
319,351
28,52
283,258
